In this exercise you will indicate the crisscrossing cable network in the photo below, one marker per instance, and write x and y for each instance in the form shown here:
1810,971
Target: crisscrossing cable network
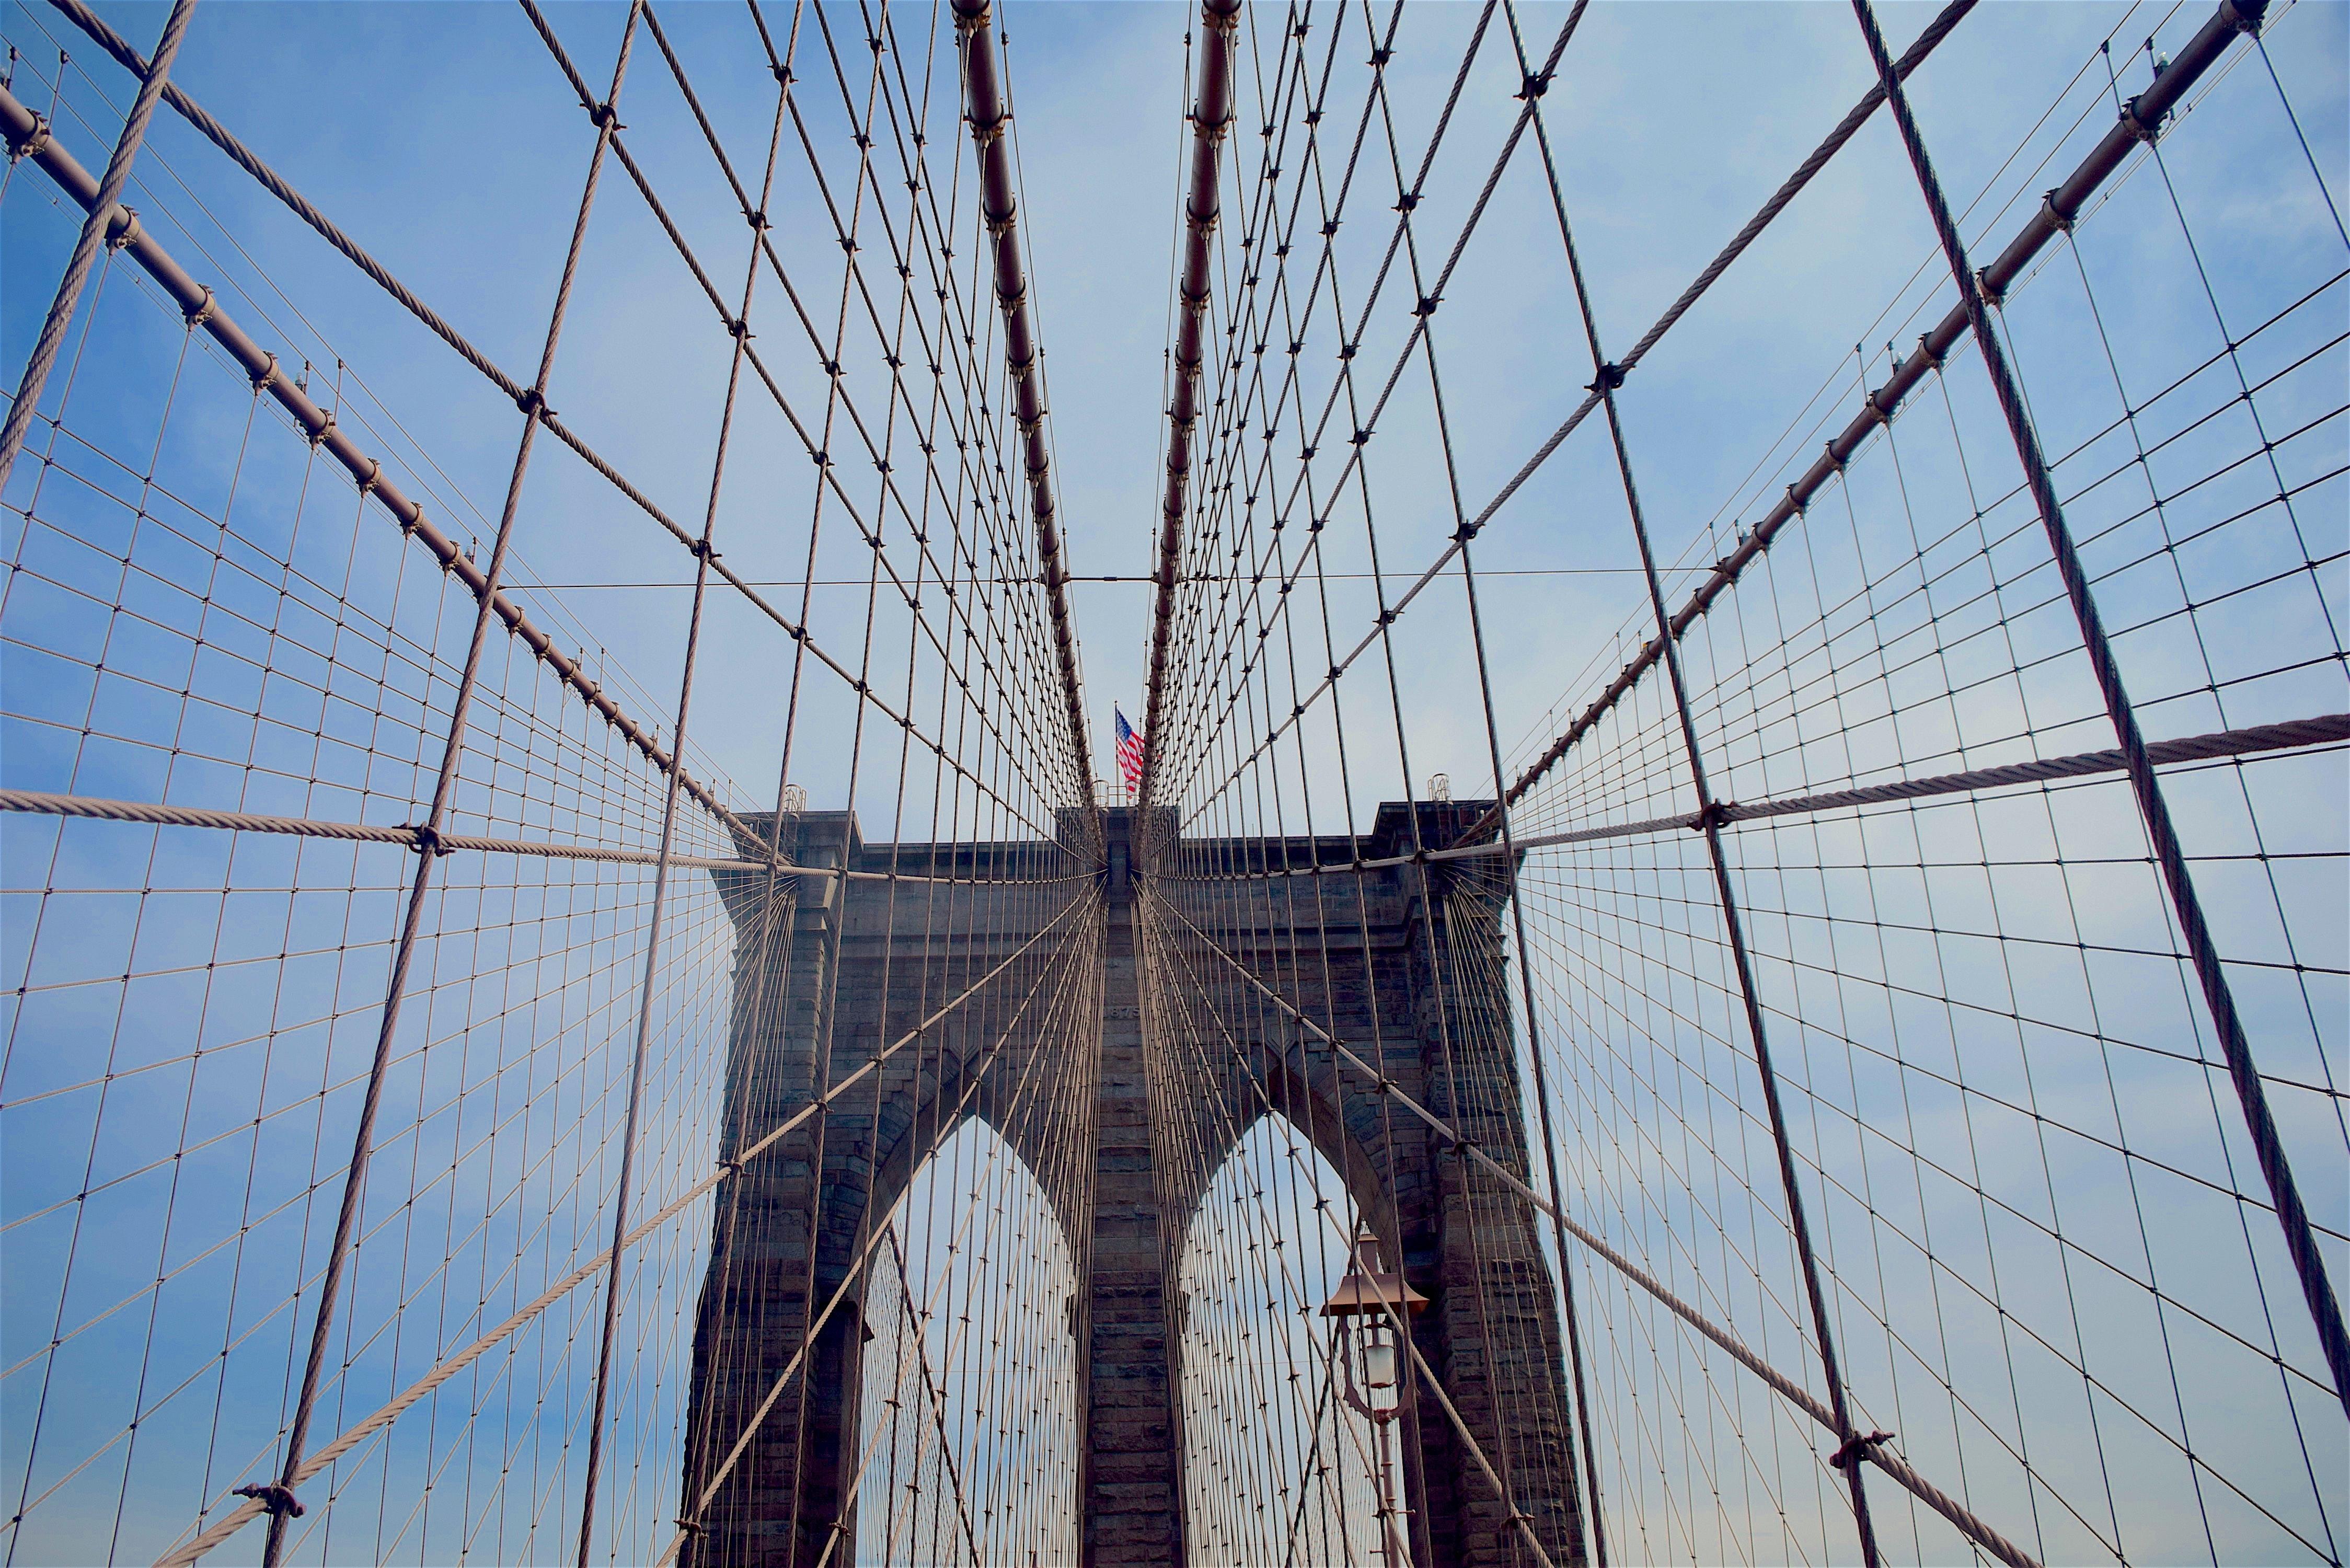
1631,850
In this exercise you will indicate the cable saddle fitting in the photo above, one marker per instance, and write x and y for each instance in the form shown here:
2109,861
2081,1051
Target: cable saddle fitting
1856,1449
273,1498
428,840
35,141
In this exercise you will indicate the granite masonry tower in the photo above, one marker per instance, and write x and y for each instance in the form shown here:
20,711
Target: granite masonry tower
809,964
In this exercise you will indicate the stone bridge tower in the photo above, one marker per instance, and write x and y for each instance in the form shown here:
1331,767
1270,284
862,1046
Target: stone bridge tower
1387,963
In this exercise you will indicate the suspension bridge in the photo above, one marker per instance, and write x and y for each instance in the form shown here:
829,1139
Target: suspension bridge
1714,948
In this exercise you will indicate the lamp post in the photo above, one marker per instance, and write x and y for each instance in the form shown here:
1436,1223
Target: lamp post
1372,1305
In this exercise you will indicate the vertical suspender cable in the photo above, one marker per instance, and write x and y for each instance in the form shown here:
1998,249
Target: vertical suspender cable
2144,115
703,554
1851,1445
97,226
1212,121
280,1498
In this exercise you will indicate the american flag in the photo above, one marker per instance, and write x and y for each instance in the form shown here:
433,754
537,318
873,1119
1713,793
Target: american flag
1129,751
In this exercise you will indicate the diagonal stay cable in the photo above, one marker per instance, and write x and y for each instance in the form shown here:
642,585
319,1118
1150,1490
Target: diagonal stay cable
1401,1328
238,1517
2293,734
195,300
98,224
1879,1454
1535,85
972,1078
2141,120
811,443
2057,214
23,132
408,837
1927,41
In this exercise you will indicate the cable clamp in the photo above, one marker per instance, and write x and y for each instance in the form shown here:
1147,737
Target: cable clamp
2058,219
1836,462
1611,376
35,142
783,75
531,401
606,116
1427,306
1926,346
1801,504
1712,816
701,550
1990,292
2247,18
202,313
428,840
373,477
2135,124
266,376
273,1499
326,428
1535,85
1856,1449
122,232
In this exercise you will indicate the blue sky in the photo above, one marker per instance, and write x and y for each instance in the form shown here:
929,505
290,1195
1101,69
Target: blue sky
444,139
